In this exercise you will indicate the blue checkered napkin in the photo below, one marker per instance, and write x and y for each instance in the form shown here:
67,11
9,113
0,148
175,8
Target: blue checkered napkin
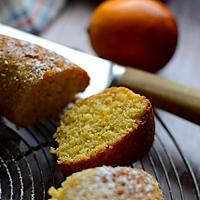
29,15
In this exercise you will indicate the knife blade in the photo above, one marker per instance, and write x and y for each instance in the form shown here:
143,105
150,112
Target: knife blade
167,95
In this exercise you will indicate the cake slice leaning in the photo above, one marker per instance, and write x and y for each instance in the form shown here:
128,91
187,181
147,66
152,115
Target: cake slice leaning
115,127
35,83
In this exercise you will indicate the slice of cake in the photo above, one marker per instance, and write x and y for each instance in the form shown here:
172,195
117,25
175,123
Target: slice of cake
115,127
120,183
35,83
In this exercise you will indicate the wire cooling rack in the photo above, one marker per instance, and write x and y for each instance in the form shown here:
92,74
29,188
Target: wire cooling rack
27,169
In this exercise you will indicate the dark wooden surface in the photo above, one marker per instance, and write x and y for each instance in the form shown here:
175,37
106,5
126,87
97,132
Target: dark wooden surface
70,29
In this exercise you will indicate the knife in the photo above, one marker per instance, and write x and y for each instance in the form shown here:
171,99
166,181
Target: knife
167,95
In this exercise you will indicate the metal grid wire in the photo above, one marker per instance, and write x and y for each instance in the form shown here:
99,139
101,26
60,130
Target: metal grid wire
27,169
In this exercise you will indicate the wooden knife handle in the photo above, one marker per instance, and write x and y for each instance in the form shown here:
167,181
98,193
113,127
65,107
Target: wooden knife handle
167,95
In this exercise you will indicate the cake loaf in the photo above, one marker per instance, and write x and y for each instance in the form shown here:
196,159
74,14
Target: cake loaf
120,183
35,83
115,127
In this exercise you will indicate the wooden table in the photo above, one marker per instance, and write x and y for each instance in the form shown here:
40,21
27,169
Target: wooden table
70,29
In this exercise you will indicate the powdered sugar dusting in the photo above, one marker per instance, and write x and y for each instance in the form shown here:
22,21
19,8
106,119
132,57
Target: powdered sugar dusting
119,183
125,181
28,61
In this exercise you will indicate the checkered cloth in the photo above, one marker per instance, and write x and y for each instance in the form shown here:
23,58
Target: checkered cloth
29,15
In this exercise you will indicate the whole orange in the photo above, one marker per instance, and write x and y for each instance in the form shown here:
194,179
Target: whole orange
138,33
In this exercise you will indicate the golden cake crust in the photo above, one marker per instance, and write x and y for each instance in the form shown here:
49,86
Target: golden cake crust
125,150
30,71
119,183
